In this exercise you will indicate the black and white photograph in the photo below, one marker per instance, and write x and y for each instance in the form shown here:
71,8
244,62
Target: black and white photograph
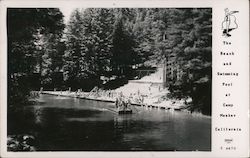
109,79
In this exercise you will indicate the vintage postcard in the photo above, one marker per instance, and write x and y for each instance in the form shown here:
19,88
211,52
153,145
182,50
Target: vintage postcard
124,79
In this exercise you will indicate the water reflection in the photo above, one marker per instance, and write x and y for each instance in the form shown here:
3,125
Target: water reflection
70,124
38,113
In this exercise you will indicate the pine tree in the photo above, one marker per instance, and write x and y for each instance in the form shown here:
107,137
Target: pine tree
124,55
89,42
74,57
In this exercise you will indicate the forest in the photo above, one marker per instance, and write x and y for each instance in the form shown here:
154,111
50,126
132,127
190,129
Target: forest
97,43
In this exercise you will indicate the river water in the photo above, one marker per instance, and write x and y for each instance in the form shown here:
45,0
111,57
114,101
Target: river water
72,124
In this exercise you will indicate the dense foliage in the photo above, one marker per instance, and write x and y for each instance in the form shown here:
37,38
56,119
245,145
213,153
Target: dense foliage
33,44
109,43
112,41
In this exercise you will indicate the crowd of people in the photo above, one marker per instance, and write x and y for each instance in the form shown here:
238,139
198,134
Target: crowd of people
122,102
98,93
123,99
111,94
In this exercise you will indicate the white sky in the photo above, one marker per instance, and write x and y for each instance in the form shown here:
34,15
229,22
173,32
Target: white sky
66,10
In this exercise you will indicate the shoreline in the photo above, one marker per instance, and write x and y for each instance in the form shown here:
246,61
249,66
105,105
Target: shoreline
112,100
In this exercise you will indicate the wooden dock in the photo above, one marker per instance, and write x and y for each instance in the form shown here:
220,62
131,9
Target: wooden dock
121,111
